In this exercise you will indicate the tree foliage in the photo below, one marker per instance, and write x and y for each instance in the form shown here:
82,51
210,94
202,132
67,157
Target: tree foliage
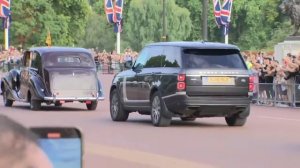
255,24
144,22
32,20
98,34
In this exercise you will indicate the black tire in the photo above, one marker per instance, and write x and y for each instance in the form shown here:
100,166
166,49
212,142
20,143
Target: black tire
188,118
35,104
117,111
57,104
158,112
92,106
235,121
239,119
7,102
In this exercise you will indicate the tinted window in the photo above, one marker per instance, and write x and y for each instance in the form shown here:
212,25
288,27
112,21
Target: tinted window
71,59
213,59
155,57
171,57
142,58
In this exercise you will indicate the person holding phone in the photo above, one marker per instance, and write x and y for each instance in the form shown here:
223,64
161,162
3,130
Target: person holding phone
19,147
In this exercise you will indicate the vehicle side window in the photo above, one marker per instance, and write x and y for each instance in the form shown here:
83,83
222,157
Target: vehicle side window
155,57
142,59
171,57
36,61
26,59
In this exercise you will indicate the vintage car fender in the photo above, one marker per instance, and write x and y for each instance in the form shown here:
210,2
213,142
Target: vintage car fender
7,83
37,89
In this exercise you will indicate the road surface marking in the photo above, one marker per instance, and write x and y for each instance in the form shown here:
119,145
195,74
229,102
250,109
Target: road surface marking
279,118
139,157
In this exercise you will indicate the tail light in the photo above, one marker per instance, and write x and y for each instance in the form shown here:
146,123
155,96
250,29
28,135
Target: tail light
181,82
251,83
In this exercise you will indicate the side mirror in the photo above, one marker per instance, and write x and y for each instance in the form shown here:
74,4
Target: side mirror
128,64
62,145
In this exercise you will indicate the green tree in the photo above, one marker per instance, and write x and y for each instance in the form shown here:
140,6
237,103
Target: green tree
78,11
66,20
31,28
195,8
144,22
99,34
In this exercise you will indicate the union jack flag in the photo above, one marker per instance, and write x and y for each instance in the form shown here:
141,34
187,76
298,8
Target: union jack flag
226,12
4,8
118,10
109,10
217,12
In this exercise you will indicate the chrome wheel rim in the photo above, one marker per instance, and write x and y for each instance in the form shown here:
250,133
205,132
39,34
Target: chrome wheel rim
114,105
156,109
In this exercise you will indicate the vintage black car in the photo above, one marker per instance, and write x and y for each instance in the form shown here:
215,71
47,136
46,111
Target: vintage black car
53,75
184,79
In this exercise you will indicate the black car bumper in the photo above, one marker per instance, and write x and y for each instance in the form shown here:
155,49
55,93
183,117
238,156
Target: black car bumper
180,103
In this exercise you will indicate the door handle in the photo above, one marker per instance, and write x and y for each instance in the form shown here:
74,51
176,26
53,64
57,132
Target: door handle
155,73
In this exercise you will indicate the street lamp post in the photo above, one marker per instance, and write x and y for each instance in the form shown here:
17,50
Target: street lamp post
204,19
164,37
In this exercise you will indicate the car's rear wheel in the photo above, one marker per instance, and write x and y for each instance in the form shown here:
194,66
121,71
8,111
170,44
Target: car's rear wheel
35,104
117,111
235,121
158,112
57,104
238,119
92,106
7,102
188,118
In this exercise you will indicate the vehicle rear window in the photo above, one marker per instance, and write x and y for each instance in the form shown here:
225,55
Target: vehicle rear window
68,60
213,59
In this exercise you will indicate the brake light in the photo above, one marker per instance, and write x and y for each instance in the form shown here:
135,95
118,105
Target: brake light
181,78
181,82
251,83
53,135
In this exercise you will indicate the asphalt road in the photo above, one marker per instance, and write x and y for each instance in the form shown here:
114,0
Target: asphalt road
270,139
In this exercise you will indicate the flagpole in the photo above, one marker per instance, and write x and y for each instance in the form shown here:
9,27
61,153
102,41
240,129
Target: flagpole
6,46
226,38
118,42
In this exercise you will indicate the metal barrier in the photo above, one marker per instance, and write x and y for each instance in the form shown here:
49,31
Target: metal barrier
110,68
282,95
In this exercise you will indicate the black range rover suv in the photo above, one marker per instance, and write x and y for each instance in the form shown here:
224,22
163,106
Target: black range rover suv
184,79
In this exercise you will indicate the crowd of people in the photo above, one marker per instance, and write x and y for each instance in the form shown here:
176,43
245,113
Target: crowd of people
276,80
111,60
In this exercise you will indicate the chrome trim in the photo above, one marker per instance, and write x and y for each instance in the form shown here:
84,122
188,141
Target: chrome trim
175,94
73,98
218,75
136,101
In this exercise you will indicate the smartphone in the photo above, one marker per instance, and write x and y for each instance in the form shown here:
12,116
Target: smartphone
62,145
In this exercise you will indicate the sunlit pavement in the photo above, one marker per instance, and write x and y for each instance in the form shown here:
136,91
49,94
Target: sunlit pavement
271,137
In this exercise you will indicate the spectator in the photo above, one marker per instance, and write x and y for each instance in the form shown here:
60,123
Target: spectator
18,147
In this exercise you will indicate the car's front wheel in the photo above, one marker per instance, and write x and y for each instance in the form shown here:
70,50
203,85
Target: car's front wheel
7,102
92,106
158,111
117,111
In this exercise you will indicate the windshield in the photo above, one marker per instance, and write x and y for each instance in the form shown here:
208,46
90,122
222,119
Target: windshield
213,59
68,60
